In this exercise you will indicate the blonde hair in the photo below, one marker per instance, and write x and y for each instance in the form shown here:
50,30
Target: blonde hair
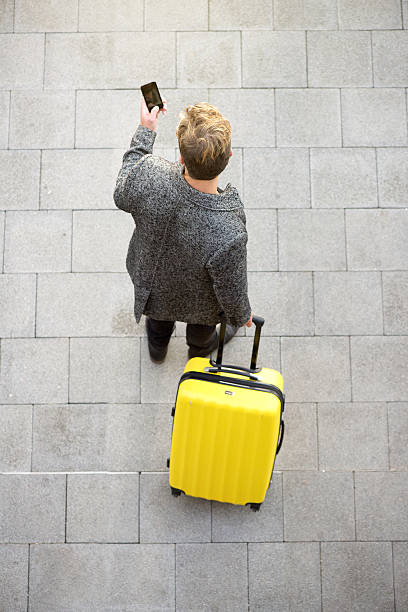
204,137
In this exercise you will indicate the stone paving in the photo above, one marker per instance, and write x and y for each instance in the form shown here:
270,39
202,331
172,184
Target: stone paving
316,93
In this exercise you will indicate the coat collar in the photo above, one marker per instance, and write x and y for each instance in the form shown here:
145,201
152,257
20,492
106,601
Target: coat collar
225,199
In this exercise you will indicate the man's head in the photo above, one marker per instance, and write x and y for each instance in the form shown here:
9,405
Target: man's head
204,137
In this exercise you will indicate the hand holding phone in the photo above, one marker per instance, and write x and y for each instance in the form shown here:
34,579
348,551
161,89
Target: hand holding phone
152,104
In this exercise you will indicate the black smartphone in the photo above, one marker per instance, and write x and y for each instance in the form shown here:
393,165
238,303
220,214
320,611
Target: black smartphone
152,95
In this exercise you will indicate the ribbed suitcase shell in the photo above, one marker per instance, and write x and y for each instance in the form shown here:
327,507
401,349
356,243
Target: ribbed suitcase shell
224,437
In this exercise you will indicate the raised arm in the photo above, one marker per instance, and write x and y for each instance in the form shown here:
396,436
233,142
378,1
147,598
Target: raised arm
133,175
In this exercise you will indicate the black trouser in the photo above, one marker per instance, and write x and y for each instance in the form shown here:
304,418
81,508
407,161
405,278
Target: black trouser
197,336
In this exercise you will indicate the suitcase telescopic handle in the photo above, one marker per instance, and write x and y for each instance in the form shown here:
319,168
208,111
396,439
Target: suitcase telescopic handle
259,321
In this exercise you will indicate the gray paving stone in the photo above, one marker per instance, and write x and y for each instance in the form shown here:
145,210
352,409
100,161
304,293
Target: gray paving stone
400,556
311,240
348,303
378,368
103,508
168,372
357,576
42,119
276,178
353,436
390,59
13,577
273,59
85,577
377,239
235,104
308,117
115,111
284,577
316,369
284,300
262,240
353,15
122,15
17,297
318,506
48,15
233,173
398,435
109,60
7,16
4,118
166,518
232,522
393,176
373,117
104,370
38,241
405,14
381,508
80,437
2,225
32,508
299,448
343,178
100,240
85,304
339,59
225,569
15,439
19,176
161,15
34,370
233,15
395,292
212,58
22,61
95,173
305,15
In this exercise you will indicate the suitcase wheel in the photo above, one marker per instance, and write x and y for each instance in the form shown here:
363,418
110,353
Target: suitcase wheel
255,507
175,492
168,461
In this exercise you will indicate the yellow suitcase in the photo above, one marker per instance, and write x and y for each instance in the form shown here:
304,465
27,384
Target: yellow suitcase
227,428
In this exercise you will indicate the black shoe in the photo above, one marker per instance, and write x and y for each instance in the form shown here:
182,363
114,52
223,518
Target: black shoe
158,355
230,332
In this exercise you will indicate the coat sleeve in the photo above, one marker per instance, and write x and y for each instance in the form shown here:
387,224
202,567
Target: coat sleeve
228,271
133,177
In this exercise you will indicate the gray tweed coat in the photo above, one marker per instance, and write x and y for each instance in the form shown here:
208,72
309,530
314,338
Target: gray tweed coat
187,256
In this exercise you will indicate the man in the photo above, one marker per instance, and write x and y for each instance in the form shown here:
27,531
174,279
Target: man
187,255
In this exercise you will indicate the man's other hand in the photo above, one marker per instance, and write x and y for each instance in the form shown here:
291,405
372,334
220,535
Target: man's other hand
249,322
150,120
